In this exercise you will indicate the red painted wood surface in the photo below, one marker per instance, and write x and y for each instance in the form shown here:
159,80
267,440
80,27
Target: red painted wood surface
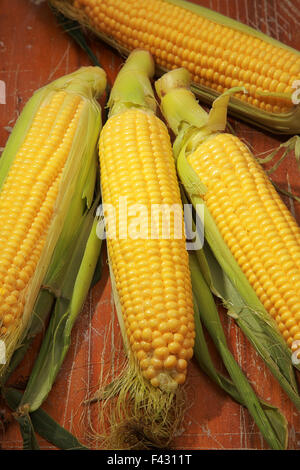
34,51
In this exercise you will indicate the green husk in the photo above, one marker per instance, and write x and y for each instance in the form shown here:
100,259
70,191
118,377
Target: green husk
269,420
282,123
75,202
131,89
222,273
68,305
39,422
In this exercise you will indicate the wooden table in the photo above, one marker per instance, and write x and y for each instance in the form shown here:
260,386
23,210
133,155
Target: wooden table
33,51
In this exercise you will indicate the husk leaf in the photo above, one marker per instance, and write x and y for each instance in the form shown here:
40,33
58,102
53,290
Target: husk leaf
68,305
39,422
269,420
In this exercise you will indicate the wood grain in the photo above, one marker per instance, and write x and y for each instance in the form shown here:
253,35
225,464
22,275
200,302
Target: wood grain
33,51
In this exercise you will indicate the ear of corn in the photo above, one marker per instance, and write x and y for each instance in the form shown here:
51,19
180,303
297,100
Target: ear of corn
48,182
220,53
150,273
258,284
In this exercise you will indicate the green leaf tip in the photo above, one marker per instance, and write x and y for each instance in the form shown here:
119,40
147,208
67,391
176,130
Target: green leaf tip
132,87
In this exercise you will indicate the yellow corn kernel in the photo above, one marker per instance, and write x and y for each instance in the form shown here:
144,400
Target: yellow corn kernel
137,164
255,223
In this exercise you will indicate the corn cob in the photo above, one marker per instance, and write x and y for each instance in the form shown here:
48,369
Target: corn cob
248,228
150,276
256,225
220,53
46,160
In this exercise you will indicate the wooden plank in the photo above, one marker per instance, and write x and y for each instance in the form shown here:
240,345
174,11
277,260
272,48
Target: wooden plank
33,51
